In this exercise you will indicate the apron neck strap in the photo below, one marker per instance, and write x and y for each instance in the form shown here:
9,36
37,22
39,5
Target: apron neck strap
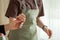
36,4
24,6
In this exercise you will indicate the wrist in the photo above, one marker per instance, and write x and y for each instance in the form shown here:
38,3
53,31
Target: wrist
44,27
6,27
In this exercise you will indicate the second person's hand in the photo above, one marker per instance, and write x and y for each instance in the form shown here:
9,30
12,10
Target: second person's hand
20,19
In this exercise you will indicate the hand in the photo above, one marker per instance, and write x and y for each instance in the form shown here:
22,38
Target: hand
17,22
21,19
48,31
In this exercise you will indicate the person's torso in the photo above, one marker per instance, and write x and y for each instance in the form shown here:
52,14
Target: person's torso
29,27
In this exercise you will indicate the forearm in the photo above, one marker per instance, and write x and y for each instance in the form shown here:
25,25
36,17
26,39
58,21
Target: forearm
7,27
39,23
44,27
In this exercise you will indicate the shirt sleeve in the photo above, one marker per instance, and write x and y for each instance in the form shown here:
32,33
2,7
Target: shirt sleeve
13,9
2,30
41,9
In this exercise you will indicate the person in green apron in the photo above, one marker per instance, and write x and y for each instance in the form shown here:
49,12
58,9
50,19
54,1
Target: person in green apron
33,10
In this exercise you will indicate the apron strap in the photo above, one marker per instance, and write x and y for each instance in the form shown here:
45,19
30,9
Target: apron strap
36,4
24,6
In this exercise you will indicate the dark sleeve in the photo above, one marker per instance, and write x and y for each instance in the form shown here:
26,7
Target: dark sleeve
41,9
2,30
13,9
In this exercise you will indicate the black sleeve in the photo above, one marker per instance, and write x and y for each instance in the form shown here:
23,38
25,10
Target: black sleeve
2,30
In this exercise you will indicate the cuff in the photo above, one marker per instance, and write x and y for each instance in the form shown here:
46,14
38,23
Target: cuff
2,30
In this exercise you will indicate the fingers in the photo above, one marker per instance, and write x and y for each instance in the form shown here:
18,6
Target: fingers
21,17
21,25
18,25
22,14
18,22
18,19
50,33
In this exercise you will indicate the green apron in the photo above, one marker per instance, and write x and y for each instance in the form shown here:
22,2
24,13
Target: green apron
29,30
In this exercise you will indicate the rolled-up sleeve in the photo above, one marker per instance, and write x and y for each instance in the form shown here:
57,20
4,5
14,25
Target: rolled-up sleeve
13,9
41,9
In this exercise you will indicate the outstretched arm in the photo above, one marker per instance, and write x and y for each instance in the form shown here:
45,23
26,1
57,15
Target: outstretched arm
15,23
44,27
